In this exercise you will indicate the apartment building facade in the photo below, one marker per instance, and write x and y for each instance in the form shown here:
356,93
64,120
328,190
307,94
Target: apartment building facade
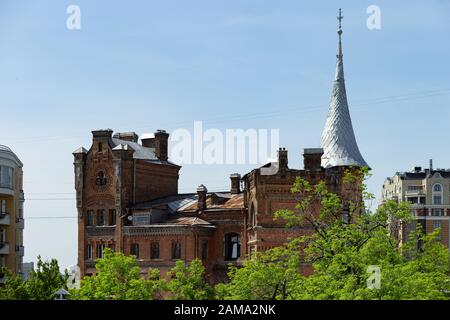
11,212
428,191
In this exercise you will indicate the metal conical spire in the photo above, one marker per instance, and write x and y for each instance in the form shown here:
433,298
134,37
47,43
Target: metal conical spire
338,139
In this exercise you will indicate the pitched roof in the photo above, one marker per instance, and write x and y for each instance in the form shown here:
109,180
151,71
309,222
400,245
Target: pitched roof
188,202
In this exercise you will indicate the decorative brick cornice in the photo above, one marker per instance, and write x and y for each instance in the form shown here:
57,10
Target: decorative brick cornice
100,231
164,231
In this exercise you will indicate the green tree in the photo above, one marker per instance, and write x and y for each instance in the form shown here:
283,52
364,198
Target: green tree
273,274
42,284
118,278
347,241
187,282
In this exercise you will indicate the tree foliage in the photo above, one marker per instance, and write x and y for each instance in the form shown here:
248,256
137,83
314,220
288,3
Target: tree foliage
42,284
348,240
118,278
187,282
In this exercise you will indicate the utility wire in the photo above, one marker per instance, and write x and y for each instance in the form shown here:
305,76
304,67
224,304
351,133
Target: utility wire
259,115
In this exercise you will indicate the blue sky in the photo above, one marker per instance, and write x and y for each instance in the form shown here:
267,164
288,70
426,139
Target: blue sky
149,65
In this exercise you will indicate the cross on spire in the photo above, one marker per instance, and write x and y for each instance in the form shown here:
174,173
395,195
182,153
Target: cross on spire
340,17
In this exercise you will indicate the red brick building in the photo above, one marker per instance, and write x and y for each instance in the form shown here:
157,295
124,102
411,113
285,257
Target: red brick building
128,200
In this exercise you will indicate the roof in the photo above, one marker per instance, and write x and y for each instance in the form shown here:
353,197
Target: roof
174,203
338,139
188,202
184,221
140,152
6,152
220,200
422,174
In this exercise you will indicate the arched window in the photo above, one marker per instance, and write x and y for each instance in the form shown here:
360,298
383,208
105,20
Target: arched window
251,216
437,194
232,246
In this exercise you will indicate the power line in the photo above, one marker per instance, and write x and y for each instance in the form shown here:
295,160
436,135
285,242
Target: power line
258,115
49,217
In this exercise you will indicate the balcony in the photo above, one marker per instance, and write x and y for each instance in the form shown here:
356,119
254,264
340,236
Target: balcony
20,250
20,223
4,218
4,248
418,191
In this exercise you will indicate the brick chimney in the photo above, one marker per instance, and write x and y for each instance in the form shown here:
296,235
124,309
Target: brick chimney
101,139
282,159
127,136
201,197
312,158
235,183
161,139
148,140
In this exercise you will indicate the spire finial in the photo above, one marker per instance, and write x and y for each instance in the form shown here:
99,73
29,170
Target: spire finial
340,17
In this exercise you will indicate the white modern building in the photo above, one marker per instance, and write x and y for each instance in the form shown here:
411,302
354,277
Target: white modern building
428,191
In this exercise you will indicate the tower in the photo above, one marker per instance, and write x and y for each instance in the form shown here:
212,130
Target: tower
338,139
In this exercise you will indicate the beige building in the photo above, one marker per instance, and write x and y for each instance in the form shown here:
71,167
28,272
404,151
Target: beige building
11,212
428,191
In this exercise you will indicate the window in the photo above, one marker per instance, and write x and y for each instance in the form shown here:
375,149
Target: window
100,147
414,188
112,217
205,249
6,177
176,250
154,250
100,250
252,216
2,235
435,212
89,252
134,250
2,207
232,246
436,224
437,199
437,194
90,218
101,179
100,217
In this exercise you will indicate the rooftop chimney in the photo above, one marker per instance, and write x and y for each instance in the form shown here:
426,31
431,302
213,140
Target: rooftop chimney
127,136
99,134
201,197
235,183
312,158
282,159
148,140
161,138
